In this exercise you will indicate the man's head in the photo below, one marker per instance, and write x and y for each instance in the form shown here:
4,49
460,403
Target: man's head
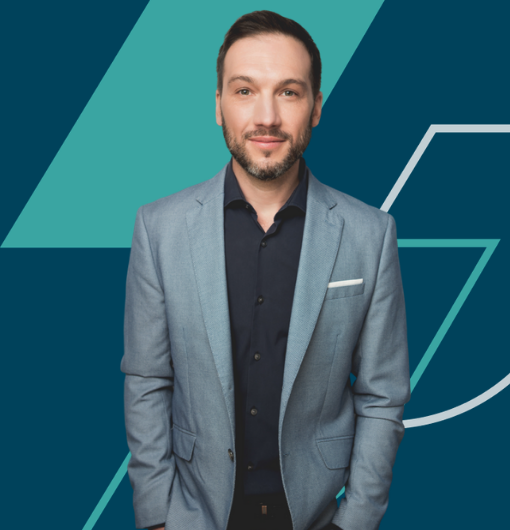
268,96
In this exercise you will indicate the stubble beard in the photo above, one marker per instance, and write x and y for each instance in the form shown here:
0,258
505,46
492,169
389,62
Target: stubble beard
267,171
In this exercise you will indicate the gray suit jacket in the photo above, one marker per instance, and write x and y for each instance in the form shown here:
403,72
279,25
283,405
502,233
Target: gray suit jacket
179,387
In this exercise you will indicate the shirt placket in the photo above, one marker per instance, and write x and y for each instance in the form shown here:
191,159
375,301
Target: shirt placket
258,355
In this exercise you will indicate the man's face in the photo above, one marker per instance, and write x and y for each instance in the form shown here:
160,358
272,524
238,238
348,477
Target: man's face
266,108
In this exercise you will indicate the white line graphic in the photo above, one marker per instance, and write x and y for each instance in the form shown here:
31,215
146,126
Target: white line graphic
433,129
390,199
441,416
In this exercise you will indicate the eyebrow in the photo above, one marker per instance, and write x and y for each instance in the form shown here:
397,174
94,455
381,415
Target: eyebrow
247,79
293,82
240,78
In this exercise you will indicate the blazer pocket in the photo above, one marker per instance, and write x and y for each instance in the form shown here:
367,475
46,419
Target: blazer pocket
183,442
344,288
336,452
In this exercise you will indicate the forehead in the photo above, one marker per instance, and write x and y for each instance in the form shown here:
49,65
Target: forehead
267,57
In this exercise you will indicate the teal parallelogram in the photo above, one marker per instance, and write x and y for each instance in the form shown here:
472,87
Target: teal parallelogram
149,129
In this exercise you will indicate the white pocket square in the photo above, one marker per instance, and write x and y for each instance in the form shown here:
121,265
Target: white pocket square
343,283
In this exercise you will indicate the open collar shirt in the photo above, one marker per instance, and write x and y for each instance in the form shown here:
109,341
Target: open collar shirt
261,272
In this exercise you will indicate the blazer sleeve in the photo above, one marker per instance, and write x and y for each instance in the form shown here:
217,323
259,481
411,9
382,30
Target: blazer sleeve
382,387
148,385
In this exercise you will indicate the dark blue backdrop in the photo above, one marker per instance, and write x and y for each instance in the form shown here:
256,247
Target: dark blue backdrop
420,63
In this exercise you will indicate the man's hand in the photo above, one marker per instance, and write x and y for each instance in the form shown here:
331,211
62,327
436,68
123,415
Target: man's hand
157,527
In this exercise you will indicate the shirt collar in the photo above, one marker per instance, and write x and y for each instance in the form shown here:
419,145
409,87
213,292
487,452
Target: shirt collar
298,197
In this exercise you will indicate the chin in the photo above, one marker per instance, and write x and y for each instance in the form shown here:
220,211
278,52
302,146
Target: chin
266,158
266,164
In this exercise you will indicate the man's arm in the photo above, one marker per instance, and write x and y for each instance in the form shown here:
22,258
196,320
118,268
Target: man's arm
148,384
382,387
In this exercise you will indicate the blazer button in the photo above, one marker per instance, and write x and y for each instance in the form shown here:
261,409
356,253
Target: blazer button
231,454
253,411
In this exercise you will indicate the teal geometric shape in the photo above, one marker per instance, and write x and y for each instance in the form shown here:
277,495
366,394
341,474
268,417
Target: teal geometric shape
108,494
149,128
489,245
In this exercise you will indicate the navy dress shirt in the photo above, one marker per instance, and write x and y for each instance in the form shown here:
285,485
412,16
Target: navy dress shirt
261,275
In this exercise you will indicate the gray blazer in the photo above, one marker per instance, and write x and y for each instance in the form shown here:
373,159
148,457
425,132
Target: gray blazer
348,315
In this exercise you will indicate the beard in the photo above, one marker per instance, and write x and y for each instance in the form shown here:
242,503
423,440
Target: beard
267,171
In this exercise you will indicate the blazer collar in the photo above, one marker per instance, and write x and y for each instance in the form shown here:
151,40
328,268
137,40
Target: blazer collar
210,189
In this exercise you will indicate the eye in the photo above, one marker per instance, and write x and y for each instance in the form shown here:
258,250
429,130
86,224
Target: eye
289,93
244,91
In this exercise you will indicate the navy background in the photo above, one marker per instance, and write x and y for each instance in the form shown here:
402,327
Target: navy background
420,63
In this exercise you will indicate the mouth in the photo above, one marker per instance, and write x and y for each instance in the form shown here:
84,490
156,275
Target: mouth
266,142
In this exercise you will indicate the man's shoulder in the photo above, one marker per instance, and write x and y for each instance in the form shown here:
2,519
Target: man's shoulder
357,212
178,203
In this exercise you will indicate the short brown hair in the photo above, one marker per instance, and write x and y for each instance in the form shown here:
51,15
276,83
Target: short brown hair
259,22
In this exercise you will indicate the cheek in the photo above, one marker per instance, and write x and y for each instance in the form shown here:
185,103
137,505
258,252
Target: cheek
297,129
237,120
295,120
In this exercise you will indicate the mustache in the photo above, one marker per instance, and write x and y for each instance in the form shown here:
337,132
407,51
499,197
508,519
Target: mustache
277,133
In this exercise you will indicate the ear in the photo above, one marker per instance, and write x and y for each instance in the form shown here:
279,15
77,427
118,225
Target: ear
218,108
317,109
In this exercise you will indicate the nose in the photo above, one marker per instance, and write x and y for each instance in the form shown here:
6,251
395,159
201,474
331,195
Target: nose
266,112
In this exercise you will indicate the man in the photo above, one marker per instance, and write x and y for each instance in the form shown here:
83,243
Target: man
250,299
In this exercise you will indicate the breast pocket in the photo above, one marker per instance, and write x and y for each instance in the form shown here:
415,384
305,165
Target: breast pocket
345,288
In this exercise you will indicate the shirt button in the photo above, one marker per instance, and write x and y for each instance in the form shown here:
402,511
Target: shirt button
260,299
263,244
231,454
257,356
247,206
253,411
250,466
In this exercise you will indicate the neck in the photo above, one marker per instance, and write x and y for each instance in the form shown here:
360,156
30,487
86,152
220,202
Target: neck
265,195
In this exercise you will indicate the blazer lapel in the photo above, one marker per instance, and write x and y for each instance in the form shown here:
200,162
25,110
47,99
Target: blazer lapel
206,236
321,241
